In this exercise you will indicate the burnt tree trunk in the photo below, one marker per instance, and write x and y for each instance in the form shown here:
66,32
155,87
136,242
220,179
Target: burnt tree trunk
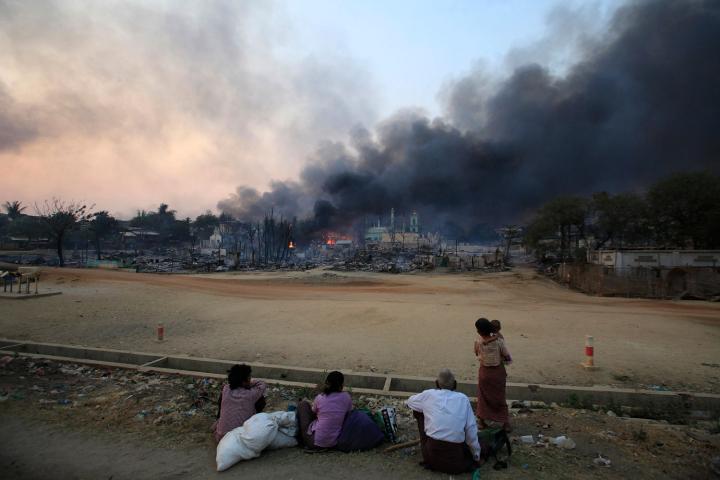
60,249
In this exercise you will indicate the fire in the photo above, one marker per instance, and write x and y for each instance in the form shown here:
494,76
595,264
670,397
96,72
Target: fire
291,245
331,238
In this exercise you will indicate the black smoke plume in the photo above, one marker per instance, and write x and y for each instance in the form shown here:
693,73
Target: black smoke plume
641,103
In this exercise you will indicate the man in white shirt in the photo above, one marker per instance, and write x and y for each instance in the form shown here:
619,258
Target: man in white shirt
447,425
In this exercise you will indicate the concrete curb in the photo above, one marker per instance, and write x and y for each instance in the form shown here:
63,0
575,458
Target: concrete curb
27,296
360,382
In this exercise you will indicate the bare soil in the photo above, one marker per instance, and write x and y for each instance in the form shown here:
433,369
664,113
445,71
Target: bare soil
408,324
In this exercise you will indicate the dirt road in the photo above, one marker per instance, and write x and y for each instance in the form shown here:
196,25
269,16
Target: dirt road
76,454
408,324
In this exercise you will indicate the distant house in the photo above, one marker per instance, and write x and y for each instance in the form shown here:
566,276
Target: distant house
136,237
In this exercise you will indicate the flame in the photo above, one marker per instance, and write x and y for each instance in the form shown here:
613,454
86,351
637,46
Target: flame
331,238
291,245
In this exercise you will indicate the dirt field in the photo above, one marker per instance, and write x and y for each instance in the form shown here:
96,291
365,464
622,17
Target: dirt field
408,324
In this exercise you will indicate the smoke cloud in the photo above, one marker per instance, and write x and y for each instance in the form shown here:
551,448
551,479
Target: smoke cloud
163,101
641,102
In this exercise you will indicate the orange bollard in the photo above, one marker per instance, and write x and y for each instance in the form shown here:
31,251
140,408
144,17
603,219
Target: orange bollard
160,332
589,362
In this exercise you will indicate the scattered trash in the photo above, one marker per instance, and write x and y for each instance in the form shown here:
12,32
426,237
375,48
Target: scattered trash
601,461
565,442
4,361
71,371
610,413
64,401
527,439
659,388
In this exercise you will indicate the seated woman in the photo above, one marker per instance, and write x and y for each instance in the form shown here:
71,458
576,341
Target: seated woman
321,422
240,399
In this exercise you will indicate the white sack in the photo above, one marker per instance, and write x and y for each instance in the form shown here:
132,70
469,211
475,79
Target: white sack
287,430
282,440
258,431
287,422
246,442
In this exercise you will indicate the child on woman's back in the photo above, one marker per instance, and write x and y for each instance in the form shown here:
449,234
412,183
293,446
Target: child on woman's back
496,327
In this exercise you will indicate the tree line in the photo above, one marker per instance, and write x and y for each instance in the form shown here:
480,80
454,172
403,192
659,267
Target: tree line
64,223
681,211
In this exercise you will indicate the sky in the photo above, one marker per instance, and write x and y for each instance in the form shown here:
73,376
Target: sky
413,48
125,105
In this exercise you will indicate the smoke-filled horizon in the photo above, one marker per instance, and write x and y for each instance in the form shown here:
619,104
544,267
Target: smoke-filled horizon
641,102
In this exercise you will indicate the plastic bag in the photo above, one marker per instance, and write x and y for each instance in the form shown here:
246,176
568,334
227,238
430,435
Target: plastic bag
386,419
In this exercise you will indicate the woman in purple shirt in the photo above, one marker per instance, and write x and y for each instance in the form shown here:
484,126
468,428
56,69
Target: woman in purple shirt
321,422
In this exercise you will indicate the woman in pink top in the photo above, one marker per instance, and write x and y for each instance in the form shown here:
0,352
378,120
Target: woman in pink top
321,422
240,399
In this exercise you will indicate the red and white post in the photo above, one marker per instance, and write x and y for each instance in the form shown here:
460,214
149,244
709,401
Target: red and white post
589,362
160,332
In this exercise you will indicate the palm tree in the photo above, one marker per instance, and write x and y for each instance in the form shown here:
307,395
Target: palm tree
14,209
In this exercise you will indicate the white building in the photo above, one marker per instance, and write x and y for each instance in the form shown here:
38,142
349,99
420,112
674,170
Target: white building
213,245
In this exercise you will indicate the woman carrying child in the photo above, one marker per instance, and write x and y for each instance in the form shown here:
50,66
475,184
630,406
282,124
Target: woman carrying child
492,354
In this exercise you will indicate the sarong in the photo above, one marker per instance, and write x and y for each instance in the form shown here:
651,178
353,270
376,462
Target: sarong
491,403
442,456
305,417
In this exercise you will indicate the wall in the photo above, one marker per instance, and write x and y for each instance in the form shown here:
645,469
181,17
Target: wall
655,282
656,258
